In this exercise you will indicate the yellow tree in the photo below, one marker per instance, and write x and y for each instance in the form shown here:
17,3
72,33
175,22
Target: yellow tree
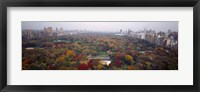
70,52
128,58
61,58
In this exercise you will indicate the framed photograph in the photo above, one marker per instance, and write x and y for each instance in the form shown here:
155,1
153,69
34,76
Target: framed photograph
91,45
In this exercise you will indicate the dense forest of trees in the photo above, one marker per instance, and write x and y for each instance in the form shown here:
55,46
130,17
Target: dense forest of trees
81,52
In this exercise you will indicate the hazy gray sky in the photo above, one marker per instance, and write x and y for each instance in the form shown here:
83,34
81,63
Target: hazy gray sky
103,26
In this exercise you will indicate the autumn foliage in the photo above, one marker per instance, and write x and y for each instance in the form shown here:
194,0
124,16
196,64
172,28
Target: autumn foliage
96,52
83,67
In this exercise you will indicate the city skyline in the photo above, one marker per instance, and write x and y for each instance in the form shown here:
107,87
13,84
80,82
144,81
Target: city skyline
102,26
116,46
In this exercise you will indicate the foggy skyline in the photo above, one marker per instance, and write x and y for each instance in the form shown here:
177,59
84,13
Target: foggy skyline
102,26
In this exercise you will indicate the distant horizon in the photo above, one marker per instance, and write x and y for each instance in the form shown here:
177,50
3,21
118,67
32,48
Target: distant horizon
102,26
100,30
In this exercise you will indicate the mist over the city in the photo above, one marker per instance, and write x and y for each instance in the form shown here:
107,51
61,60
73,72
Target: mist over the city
103,26
100,45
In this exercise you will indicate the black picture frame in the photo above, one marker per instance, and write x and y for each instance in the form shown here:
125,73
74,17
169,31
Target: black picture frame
99,3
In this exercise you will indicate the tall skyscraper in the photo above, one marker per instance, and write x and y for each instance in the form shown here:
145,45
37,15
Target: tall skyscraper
48,31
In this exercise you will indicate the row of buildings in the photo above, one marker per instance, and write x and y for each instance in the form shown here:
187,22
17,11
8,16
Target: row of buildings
167,39
48,32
